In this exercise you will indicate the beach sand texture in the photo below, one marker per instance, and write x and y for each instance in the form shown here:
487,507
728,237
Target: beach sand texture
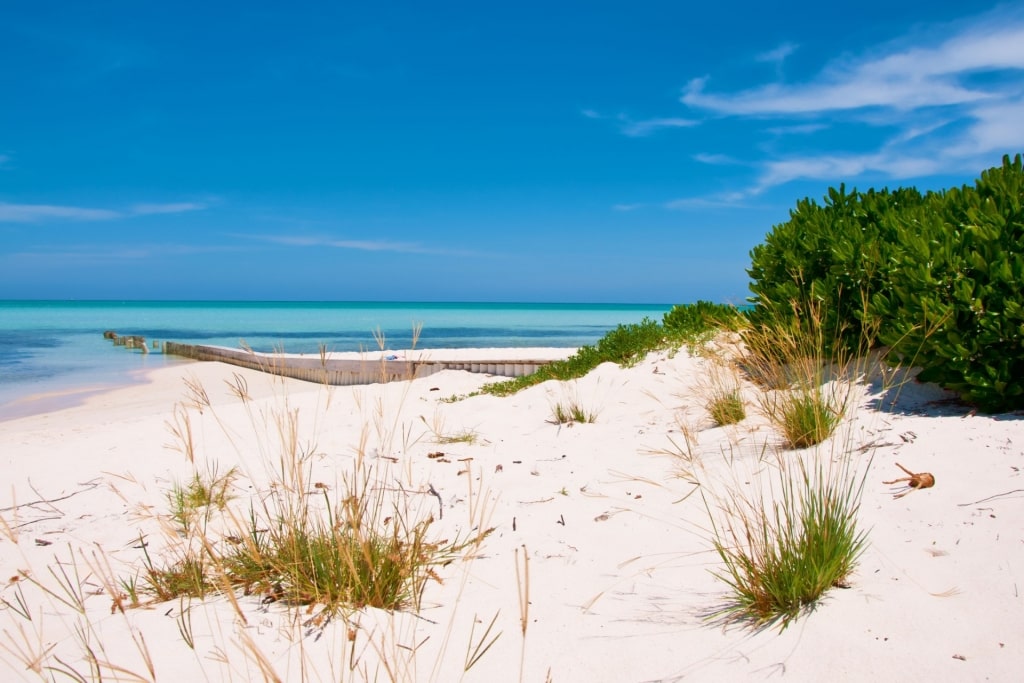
613,533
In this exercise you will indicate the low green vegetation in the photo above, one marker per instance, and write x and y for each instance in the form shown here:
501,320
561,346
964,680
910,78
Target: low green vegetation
726,407
626,345
934,277
297,542
193,501
339,558
781,556
804,418
805,373
569,412
355,551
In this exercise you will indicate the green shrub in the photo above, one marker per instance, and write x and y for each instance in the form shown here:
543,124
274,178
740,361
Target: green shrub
936,277
953,305
834,256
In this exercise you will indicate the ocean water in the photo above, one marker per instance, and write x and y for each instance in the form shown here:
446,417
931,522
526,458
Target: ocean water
52,352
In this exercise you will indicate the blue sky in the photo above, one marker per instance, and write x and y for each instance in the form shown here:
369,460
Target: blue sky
557,151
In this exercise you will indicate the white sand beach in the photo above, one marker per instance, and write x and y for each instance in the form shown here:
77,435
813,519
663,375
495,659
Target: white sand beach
612,530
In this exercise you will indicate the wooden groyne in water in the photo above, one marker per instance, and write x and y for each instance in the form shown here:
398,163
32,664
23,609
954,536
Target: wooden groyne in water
346,372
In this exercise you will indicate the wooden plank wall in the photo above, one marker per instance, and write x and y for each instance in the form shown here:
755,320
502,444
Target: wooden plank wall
347,372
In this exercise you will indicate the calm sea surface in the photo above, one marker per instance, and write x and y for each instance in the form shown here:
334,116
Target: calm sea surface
57,347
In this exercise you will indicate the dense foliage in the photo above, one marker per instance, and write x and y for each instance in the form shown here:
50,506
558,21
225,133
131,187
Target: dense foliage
936,277
831,258
954,302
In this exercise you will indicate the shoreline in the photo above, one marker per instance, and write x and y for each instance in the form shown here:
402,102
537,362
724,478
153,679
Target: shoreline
621,566
53,400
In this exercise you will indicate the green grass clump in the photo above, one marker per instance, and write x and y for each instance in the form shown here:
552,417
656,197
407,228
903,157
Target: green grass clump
352,553
781,558
727,407
297,542
570,412
805,418
351,563
199,496
468,437
805,374
187,577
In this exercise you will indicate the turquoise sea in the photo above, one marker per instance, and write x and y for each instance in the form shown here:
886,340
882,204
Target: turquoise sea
57,347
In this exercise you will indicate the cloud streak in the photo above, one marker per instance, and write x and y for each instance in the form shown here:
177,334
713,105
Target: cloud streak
90,255
639,129
779,54
154,209
35,213
903,79
944,103
359,245
644,127
375,245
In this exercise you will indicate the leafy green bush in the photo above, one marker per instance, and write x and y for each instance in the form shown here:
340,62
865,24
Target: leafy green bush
953,304
936,277
833,256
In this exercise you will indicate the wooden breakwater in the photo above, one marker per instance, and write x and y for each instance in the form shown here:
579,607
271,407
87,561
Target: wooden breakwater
346,372
130,341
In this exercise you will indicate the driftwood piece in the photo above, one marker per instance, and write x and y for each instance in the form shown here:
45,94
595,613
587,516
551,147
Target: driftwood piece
916,480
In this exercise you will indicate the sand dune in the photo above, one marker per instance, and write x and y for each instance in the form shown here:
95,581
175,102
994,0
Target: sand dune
612,529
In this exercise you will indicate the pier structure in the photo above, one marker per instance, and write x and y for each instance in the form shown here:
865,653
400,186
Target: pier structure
347,371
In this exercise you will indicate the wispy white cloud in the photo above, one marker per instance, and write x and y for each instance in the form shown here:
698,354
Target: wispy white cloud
897,77
644,127
180,207
361,245
34,213
639,129
716,159
382,245
51,257
797,129
854,91
996,127
944,100
779,54
724,200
